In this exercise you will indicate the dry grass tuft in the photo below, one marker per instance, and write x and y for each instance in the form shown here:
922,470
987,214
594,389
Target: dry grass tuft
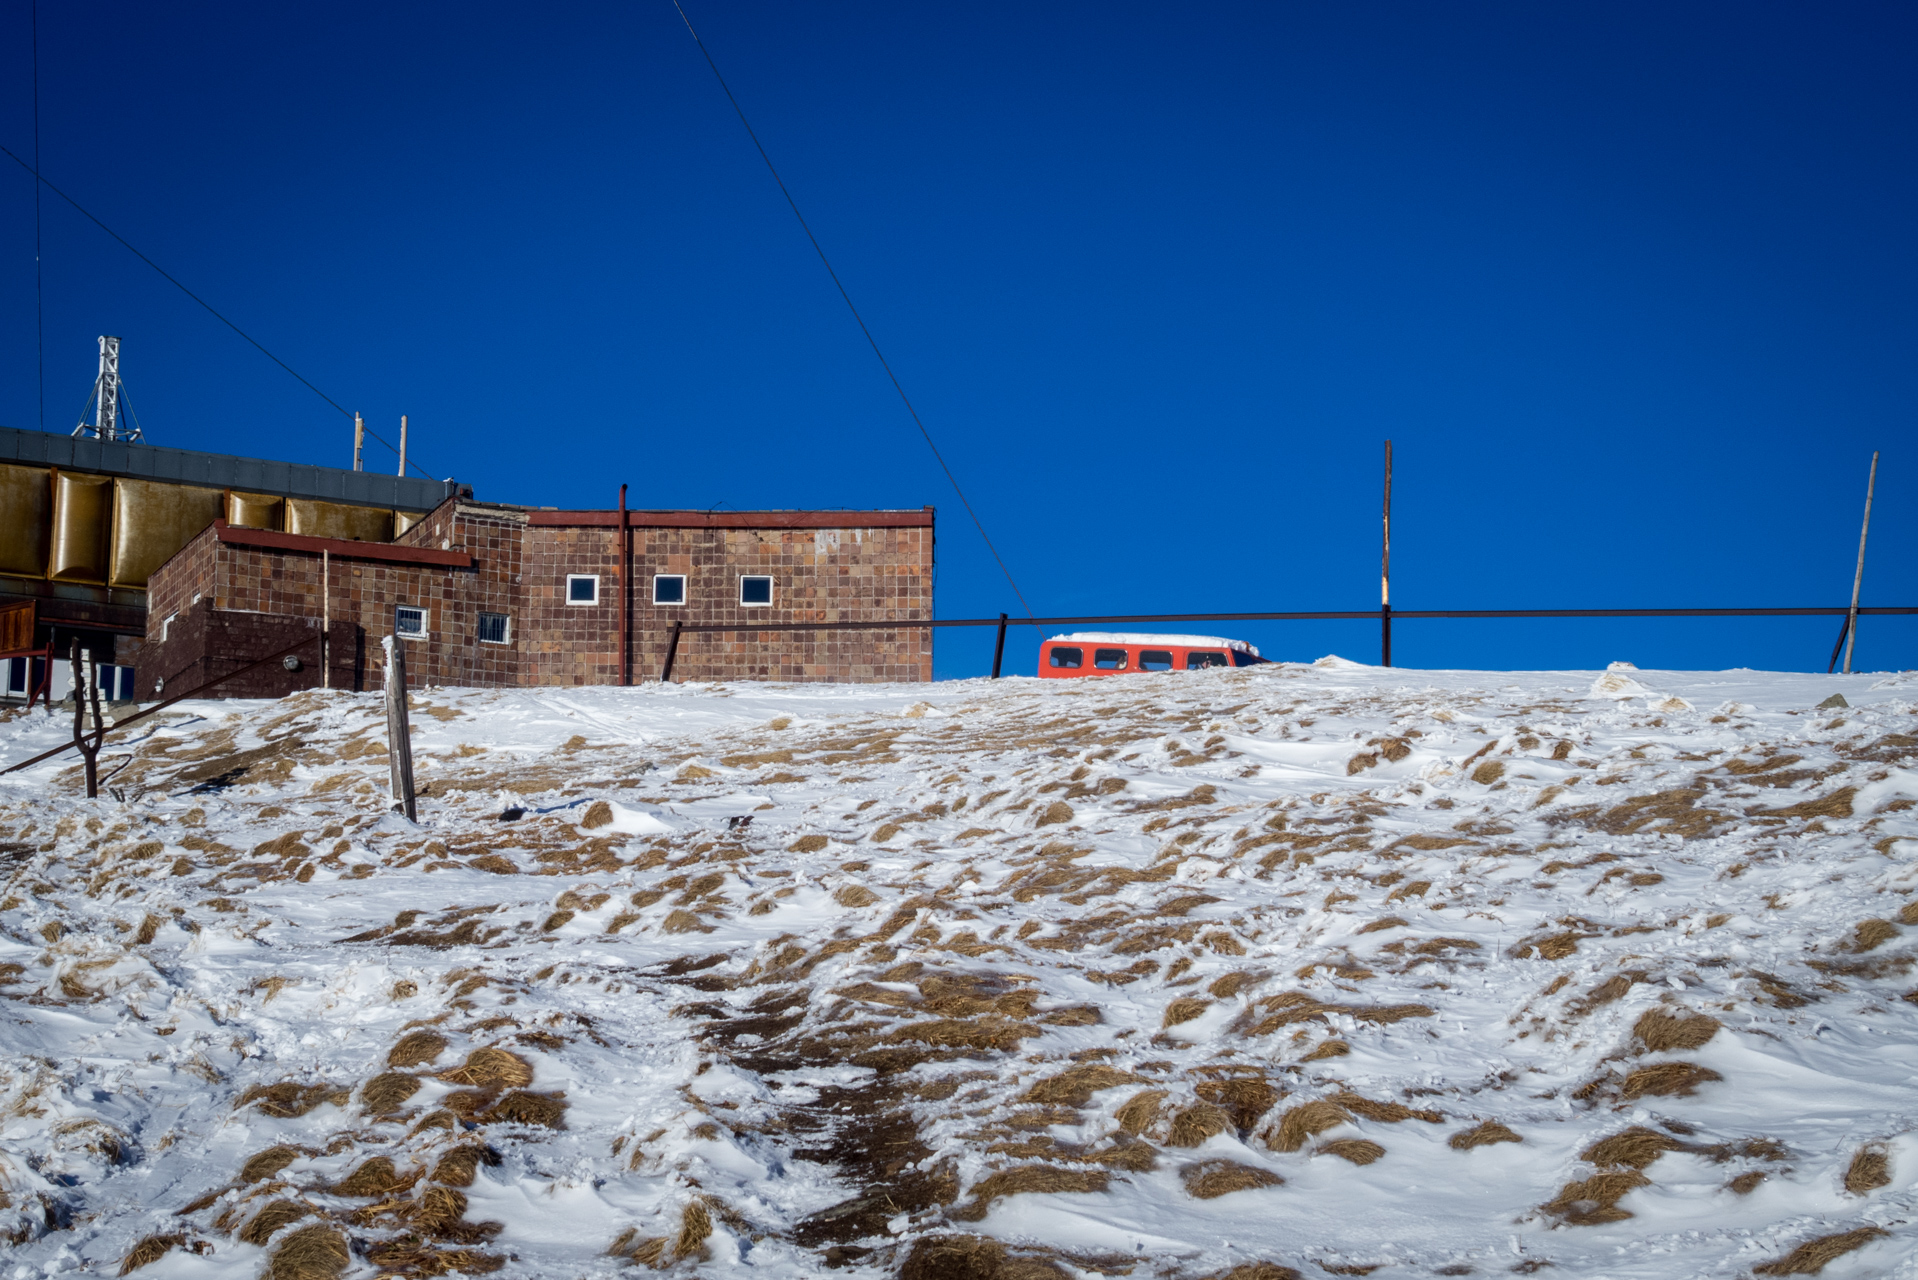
1139,1111
1668,1079
1329,1049
150,1249
1389,1112
954,1258
1809,1258
1870,1169
1357,1150
1595,1200
1184,1009
1198,1123
267,1163
1871,934
1056,812
1033,1179
1662,1032
524,1107
679,920
276,1214
387,1092
808,844
375,1177
1075,1086
317,1252
598,814
1211,1179
402,1258
1482,1134
416,1049
1260,1271
1228,985
1635,1148
695,1225
288,1099
855,895
1133,1157
1302,1123
457,1167
491,1068
1246,1098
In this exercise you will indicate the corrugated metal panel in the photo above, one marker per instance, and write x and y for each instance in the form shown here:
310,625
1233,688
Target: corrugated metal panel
152,521
26,496
222,471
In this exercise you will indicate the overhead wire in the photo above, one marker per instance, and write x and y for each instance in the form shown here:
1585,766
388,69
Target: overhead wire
40,180
857,318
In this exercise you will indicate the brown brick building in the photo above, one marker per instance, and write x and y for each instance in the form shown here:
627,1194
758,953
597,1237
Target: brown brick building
492,595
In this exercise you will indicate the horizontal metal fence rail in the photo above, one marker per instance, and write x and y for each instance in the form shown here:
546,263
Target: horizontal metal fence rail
1382,616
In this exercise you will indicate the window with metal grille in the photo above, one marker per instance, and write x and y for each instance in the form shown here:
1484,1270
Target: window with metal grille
409,623
493,628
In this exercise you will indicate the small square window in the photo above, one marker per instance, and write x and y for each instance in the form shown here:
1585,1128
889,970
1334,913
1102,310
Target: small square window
582,588
755,589
409,623
494,628
669,588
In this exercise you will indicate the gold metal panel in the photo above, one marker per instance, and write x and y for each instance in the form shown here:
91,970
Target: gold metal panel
82,506
151,521
26,517
255,511
404,520
318,519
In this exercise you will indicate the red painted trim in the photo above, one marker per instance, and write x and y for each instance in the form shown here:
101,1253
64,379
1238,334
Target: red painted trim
735,519
344,548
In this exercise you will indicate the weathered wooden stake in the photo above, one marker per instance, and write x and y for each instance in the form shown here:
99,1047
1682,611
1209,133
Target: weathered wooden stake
999,648
84,691
399,741
1385,570
326,619
1858,579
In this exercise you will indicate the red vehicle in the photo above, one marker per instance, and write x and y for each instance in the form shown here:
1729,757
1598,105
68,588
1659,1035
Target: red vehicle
1102,653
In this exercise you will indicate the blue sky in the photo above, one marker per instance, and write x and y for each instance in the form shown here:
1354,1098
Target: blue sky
1630,286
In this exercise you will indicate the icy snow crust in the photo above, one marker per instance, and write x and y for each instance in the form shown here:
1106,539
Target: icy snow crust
1015,978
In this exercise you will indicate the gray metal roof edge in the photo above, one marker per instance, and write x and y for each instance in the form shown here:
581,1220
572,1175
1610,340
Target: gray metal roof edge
222,470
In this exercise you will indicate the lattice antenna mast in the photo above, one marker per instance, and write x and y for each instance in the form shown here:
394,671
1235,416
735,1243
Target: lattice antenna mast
105,401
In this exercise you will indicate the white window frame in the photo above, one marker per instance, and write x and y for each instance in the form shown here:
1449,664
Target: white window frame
166,626
571,578
507,639
767,603
669,604
426,621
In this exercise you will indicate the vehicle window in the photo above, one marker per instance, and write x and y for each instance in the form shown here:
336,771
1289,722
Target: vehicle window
1241,659
1204,658
1109,659
1068,657
1155,660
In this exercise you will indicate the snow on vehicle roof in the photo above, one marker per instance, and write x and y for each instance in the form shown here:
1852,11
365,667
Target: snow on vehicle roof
1142,637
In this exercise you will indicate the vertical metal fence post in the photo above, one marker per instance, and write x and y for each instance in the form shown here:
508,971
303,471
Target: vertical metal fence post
999,647
1385,570
672,651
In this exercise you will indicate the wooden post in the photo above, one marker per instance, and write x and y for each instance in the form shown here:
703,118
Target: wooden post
672,651
1385,570
326,618
359,442
1858,579
402,444
83,693
625,590
999,648
399,741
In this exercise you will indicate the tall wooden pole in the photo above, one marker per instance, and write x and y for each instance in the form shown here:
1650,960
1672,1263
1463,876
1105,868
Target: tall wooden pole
1858,579
1385,570
625,592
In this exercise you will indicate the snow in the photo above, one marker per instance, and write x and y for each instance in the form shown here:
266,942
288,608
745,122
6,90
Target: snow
827,959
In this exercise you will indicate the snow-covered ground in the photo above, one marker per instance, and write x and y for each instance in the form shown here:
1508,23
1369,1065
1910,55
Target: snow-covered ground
1322,967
